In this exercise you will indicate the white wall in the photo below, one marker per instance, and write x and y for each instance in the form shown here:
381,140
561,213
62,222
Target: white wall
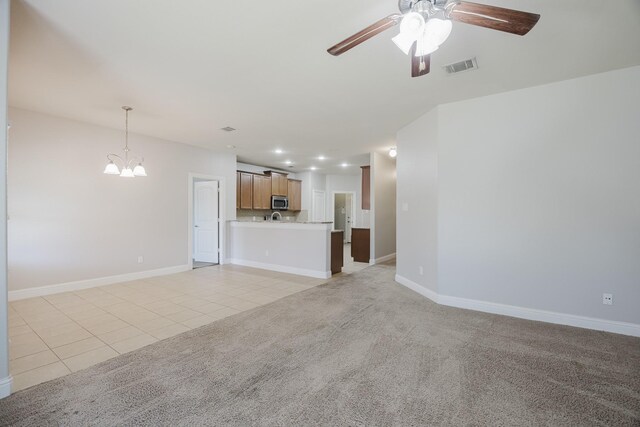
417,201
5,379
70,222
311,181
538,194
383,200
246,167
303,249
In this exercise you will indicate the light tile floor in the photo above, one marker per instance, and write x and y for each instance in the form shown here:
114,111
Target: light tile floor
54,335
350,266
58,334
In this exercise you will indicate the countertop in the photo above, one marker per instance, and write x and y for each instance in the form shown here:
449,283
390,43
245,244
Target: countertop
281,222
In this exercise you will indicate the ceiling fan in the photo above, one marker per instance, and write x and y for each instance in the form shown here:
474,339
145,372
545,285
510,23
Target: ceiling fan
426,24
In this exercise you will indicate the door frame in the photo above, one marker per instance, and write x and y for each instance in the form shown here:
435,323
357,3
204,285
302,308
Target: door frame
333,207
191,179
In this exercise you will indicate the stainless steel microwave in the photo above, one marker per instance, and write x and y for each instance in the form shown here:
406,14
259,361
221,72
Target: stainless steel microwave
280,203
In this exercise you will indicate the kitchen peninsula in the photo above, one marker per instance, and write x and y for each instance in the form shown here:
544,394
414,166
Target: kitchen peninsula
302,248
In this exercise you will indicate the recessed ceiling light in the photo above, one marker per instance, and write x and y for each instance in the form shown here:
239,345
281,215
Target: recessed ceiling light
288,162
231,146
313,168
321,157
228,129
344,165
278,151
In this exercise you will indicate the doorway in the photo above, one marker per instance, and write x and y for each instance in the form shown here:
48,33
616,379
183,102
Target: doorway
344,208
206,236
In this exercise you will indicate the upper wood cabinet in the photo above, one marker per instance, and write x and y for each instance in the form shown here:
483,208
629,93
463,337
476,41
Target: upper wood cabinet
279,185
237,190
366,187
246,190
295,194
261,192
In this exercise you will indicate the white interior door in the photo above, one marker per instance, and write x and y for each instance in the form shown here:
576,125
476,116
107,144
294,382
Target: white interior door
318,211
205,221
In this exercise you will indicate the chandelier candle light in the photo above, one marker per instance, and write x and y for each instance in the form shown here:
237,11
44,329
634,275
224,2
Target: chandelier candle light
127,172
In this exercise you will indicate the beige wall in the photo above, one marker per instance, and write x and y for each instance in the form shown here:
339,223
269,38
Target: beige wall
70,222
383,201
5,379
537,196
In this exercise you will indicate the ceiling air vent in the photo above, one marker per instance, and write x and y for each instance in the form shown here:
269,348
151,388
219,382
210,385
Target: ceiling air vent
458,67
228,129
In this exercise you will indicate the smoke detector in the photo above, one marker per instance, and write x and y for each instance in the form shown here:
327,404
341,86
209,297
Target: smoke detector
459,67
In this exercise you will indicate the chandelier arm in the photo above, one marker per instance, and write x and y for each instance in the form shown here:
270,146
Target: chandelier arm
135,160
109,157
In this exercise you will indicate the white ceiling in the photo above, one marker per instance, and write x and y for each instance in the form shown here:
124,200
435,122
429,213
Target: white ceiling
191,67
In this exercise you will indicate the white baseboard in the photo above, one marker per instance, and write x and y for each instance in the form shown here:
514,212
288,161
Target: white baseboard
5,386
92,283
425,292
623,328
382,259
282,268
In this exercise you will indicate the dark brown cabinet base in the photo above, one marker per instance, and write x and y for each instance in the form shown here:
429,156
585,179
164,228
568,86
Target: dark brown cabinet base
337,251
360,244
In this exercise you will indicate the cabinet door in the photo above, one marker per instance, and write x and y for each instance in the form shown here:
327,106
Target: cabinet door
279,185
284,185
265,189
261,192
237,190
295,195
257,192
246,190
366,187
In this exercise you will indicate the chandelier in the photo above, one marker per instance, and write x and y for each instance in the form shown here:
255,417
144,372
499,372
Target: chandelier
126,162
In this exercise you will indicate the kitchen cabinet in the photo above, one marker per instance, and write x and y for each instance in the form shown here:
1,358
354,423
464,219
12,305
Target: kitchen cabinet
261,192
246,190
237,190
295,194
366,188
337,251
279,183
360,238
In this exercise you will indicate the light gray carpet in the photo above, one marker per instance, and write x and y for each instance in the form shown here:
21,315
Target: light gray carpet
361,350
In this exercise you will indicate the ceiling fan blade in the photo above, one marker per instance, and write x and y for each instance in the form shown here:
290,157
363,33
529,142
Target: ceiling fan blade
496,18
420,65
364,35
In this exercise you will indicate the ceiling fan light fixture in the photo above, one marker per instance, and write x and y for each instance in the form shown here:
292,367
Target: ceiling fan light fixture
411,27
425,46
438,30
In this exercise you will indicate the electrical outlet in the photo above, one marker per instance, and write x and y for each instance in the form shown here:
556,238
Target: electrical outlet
405,207
607,299
140,259
421,270
266,253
